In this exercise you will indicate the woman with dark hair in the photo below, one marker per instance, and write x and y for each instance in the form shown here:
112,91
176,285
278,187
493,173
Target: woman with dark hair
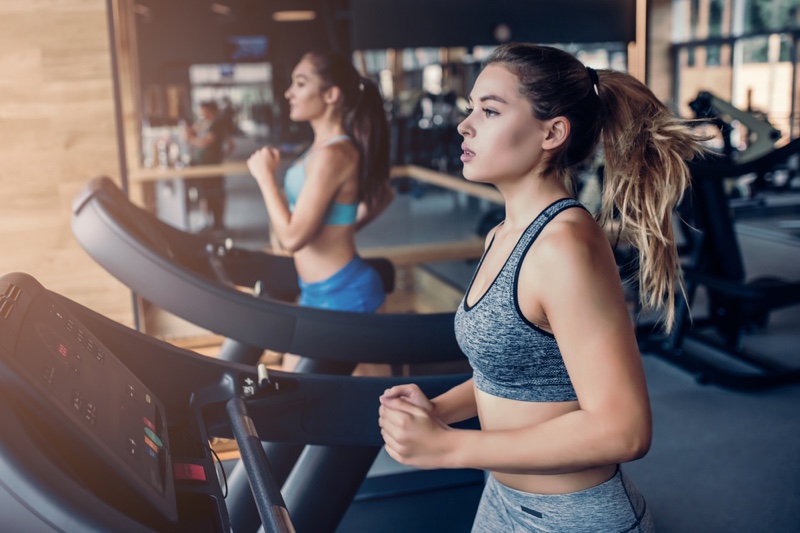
558,383
339,184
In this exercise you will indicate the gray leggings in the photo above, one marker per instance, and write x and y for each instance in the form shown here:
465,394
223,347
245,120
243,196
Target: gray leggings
615,506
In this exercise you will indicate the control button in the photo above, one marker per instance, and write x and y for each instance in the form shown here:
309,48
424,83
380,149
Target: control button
248,387
90,414
148,423
77,401
189,472
152,436
153,446
132,446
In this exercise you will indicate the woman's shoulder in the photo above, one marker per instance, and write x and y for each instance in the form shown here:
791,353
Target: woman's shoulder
340,151
339,155
570,255
573,235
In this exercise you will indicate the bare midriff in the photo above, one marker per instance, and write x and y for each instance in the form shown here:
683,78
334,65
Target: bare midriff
328,253
497,413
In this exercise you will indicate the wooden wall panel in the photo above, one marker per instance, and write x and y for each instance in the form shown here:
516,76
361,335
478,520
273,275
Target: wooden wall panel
659,53
57,130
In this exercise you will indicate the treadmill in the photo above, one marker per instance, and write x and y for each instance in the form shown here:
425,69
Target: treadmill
202,281
107,429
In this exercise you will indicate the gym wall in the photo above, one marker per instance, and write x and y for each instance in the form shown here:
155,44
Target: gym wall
57,130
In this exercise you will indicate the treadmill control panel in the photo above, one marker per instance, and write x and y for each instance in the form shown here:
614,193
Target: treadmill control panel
110,413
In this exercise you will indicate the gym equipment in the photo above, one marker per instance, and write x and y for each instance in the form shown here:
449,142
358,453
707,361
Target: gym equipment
107,429
200,280
754,203
424,131
761,135
770,168
735,303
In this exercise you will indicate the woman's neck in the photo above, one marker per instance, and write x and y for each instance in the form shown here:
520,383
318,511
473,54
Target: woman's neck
527,197
326,129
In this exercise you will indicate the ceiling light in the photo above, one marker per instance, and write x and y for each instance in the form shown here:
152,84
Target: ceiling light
220,9
293,16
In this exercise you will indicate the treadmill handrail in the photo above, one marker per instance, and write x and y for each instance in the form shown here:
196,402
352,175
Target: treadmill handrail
257,321
271,507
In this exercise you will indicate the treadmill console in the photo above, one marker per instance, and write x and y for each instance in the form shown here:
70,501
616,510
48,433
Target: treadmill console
99,411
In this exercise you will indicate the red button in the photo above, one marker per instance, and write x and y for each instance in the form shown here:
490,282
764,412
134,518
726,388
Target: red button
189,472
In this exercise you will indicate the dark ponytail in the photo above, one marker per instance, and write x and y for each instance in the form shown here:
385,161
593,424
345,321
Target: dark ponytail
364,120
369,127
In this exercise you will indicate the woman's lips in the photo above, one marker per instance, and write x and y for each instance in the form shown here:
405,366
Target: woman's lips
468,154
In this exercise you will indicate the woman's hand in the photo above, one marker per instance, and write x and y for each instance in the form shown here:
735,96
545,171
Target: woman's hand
411,393
263,163
413,434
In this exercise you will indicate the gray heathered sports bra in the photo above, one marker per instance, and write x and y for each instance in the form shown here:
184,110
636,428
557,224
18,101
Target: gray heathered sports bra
510,356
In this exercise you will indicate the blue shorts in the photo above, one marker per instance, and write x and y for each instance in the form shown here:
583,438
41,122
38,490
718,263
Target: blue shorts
615,506
356,287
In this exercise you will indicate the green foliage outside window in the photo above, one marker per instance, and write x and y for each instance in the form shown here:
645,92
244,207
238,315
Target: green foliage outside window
766,15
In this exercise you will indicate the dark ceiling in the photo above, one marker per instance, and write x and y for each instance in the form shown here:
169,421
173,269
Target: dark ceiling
416,23
173,34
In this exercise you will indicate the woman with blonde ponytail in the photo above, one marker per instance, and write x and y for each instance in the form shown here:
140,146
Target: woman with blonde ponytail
339,184
557,382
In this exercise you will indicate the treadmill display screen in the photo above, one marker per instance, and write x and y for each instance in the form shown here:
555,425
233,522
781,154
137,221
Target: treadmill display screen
109,411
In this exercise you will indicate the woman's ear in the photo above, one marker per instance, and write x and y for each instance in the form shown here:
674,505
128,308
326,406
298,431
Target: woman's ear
556,132
332,95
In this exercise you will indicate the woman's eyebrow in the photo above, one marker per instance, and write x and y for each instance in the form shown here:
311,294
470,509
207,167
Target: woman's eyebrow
491,97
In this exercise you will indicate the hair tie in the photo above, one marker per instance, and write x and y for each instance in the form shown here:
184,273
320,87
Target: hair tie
595,79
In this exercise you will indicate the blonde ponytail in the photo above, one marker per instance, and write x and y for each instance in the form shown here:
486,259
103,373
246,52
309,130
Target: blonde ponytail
646,149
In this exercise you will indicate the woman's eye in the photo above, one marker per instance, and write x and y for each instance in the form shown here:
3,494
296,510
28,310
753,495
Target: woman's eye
469,110
489,112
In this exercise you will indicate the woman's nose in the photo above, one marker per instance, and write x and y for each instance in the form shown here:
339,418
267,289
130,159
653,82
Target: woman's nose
463,128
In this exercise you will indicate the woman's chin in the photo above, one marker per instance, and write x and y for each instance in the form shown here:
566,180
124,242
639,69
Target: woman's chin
471,174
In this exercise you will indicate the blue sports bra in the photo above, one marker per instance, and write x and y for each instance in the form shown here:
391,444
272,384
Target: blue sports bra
511,357
337,214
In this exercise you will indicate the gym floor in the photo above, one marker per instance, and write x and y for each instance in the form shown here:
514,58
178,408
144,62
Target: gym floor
721,460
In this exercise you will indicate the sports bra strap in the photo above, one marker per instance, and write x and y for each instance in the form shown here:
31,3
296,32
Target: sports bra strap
336,139
310,153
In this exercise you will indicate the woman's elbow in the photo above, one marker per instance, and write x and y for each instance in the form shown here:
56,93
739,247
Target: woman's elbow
292,245
639,446
293,242
635,442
